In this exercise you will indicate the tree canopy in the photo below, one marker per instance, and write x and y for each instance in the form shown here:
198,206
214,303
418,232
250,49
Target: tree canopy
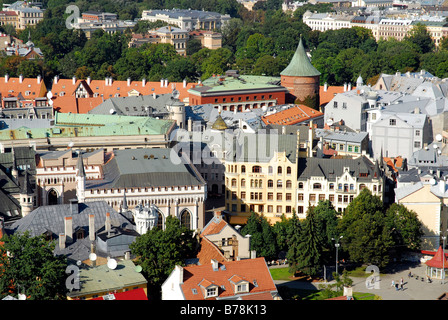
28,266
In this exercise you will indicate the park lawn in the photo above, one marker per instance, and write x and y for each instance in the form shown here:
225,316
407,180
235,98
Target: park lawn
280,273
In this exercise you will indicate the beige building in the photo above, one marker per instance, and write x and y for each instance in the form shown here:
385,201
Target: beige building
168,34
27,14
262,178
429,200
209,39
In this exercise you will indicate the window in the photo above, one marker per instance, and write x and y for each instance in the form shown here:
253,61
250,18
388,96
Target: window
279,170
288,197
300,197
392,122
234,195
270,170
243,183
288,184
335,104
279,184
270,196
212,292
256,169
233,182
331,186
243,287
317,186
300,185
243,169
312,197
417,144
321,197
279,197
417,132
270,183
288,170
243,195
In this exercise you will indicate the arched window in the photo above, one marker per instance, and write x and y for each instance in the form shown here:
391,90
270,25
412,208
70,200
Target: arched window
288,170
270,170
256,169
288,184
270,183
185,219
279,170
243,182
317,186
243,169
52,197
279,183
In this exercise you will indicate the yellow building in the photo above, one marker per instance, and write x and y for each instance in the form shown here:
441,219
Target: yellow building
429,199
263,177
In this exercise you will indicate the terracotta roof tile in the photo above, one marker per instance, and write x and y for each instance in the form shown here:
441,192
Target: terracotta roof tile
327,96
13,87
255,271
293,115
208,252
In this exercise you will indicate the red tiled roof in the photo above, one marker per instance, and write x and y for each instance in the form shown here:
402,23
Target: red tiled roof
208,252
214,227
13,87
293,115
136,294
327,96
255,271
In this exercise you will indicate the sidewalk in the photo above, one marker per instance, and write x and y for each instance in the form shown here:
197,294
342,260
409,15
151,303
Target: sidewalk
413,289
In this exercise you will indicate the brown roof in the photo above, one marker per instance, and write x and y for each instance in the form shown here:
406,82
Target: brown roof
13,87
254,271
294,115
208,252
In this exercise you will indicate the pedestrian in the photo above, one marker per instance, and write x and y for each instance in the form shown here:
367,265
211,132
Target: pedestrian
396,287
401,284
393,283
409,275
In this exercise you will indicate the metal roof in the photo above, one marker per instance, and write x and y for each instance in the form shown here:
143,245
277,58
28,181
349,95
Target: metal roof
300,65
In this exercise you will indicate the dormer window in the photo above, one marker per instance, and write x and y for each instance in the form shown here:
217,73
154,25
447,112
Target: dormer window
242,287
212,292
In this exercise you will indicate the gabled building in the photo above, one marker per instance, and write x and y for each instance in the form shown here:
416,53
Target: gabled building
247,279
226,238
336,180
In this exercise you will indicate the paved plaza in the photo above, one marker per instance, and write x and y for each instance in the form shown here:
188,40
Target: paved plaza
413,289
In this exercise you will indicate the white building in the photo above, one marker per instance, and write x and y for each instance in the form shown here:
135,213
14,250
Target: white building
188,19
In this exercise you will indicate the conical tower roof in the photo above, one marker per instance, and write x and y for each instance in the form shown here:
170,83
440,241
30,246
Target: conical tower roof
300,65
439,260
219,123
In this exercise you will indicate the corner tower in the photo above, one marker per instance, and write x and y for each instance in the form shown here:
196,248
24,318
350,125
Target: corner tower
301,79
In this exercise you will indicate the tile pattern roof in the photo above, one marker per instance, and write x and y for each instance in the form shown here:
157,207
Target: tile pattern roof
293,115
255,271
13,86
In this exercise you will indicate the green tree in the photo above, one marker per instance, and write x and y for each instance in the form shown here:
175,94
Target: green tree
159,251
294,232
327,219
310,258
262,237
407,228
367,237
420,36
28,266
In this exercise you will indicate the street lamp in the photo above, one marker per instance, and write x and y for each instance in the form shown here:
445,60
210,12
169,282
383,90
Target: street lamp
443,260
337,247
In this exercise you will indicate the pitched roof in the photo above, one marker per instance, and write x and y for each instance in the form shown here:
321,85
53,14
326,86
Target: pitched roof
300,65
439,260
14,86
254,271
293,115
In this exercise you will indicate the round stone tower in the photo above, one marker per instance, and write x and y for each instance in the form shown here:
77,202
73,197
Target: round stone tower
301,79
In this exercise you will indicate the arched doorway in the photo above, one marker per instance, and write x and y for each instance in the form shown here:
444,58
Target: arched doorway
185,218
52,197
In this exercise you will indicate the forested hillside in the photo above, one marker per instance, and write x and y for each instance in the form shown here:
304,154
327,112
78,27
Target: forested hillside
260,41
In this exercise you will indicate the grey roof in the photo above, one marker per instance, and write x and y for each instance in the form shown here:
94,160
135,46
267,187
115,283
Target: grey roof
150,167
355,137
194,14
142,105
252,147
402,192
330,169
50,220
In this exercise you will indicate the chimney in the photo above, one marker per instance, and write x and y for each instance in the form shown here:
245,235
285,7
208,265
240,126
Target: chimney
345,86
62,241
253,254
6,78
166,83
88,80
190,124
92,250
143,82
185,83
74,206
21,78
349,88
92,227
73,80
442,186
107,224
68,226
214,264
39,78
325,87
129,82
161,83
55,81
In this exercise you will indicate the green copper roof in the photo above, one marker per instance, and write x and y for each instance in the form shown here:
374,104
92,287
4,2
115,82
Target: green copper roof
300,65
91,125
